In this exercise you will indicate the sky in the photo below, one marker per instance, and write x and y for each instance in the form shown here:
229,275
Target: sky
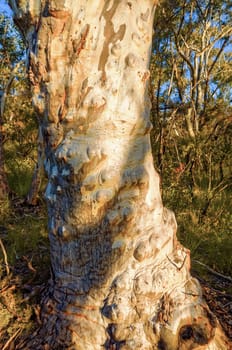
4,7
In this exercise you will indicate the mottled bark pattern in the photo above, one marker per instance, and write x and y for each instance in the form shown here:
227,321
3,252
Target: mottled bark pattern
120,278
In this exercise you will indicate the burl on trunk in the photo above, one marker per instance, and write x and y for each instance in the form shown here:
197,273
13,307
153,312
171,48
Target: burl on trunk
120,279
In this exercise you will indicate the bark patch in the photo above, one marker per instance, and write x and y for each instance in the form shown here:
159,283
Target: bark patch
110,36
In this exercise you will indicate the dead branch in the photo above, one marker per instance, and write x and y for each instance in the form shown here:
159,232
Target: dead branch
5,257
228,278
9,341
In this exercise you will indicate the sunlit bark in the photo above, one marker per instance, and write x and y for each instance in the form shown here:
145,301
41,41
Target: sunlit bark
120,279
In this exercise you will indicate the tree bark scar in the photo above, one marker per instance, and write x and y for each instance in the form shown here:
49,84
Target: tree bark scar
78,47
110,36
61,14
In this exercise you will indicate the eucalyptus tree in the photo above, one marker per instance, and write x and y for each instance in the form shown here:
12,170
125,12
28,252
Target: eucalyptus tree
120,279
193,68
18,127
9,53
191,71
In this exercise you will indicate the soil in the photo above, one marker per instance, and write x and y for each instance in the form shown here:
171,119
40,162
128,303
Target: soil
219,300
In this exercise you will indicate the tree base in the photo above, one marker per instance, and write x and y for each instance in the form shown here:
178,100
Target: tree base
158,306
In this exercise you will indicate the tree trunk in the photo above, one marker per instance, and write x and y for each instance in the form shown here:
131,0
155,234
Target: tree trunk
188,118
4,187
32,196
120,279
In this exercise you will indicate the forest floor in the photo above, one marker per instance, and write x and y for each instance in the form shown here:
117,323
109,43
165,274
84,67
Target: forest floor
22,283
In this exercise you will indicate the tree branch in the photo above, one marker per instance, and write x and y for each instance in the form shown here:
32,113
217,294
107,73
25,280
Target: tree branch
228,278
5,257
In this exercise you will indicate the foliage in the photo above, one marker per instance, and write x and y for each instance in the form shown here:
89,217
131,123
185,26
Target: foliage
192,113
19,126
23,232
192,54
11,46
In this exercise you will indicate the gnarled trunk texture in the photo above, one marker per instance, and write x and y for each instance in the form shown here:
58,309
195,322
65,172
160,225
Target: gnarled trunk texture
120,278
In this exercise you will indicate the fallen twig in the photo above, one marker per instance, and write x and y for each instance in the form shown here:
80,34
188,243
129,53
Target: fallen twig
5,257
37,310
29,264
11,339
228,278
7,288
228,304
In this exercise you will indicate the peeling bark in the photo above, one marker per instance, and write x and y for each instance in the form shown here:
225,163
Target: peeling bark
120,278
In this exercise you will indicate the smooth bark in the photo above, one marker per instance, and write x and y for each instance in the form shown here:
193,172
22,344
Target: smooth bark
120,279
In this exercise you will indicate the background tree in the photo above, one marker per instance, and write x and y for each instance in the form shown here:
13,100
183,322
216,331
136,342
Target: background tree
18,123
191,112
193,53
18,146
120,279
9,52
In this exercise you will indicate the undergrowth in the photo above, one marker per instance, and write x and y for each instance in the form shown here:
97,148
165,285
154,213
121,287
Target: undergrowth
208,237
24,268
